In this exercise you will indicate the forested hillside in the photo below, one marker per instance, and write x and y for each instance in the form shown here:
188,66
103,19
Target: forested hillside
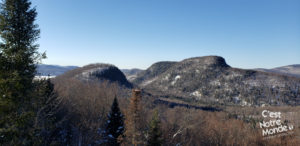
209,79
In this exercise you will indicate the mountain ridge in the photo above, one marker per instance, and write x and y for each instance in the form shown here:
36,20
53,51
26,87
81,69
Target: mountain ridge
289,70
52,70
207,79
97,72
211,79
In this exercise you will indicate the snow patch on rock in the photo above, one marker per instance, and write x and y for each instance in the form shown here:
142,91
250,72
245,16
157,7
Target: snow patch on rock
196,93
175,79
95,71
166,77
148,82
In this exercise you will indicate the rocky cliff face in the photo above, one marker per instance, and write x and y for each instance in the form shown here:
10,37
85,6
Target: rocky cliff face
210,79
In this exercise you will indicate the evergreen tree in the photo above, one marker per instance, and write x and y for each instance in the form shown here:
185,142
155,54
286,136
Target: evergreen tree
115,124
48,114
18,56
155,135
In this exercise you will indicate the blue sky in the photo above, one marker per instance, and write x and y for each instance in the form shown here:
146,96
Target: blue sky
138,33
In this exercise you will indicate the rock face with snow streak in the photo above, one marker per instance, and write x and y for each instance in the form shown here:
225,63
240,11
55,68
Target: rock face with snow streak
210,79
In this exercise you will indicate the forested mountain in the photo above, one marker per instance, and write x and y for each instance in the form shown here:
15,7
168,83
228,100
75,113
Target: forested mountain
205,79
153,71
86,94
210,79
99,73
290,70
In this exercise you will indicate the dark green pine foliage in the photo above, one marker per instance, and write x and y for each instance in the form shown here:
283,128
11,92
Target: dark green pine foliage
155,134
115,124
48,112
18,56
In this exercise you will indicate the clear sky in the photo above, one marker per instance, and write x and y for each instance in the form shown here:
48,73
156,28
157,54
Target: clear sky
138,33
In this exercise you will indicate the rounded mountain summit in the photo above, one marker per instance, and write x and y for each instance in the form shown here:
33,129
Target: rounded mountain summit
98,72
211,79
